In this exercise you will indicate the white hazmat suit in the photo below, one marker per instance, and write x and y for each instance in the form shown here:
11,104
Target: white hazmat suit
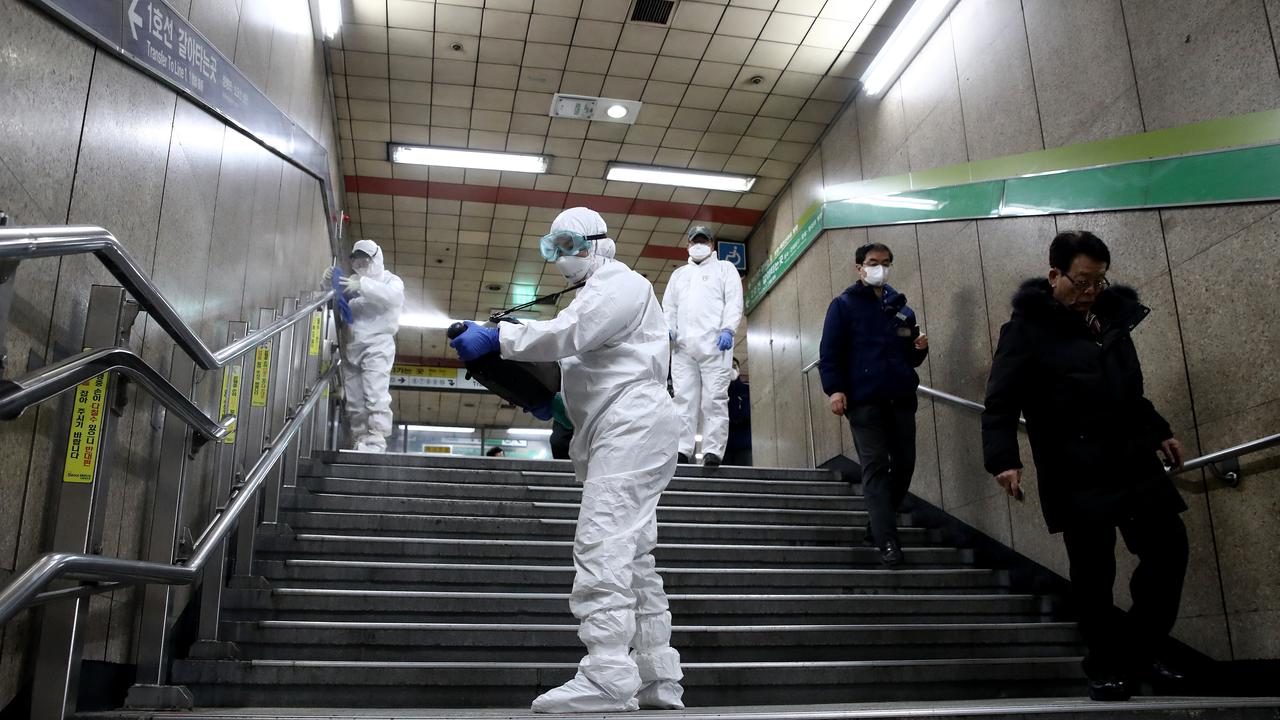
701,300
611,342
371,350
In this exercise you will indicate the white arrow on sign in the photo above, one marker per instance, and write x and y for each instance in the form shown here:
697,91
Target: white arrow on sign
135,20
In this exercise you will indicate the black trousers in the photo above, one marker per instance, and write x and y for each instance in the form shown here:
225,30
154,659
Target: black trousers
1121,643
740,456
885,433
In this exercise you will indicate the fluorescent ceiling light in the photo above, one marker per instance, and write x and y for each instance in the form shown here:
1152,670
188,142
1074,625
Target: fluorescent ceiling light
330,17
442,429
472,159
676,176
529,432
425,320
912,33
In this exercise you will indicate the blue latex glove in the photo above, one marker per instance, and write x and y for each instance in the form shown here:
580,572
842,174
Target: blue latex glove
725,340
542,412
477,341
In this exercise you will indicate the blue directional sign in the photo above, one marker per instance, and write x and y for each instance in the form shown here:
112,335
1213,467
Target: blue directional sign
734,252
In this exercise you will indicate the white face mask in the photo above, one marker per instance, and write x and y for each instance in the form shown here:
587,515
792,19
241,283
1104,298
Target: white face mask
699,252
734,374
876,274
575,269
360,266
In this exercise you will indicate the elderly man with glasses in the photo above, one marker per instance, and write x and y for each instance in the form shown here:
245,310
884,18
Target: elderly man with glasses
1067,363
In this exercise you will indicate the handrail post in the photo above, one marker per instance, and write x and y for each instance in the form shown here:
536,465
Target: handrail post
808,419
234,400
254,439
155,624
82,491
299,381
320,417
278,412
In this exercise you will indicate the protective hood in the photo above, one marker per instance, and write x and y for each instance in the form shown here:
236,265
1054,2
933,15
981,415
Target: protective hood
369,247
589,224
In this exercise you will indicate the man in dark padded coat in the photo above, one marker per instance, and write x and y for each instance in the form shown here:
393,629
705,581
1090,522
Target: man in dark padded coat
1067,363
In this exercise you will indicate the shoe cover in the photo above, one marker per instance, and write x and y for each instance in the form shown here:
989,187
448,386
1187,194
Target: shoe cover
604,683
661,695
372,444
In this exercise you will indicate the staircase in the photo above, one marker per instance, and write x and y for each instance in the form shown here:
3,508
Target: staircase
411,581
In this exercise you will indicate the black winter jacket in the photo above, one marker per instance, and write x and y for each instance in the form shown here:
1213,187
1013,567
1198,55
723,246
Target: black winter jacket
1094,435
866,350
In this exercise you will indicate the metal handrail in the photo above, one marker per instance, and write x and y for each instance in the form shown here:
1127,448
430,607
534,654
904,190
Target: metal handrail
39,385
25,243
25,590
1205,460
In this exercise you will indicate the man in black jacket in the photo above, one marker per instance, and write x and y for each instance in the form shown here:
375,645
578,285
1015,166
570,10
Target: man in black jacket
871,345
1066,362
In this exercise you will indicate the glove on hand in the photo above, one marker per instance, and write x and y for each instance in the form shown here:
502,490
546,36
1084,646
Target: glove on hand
477,341
725,340
350,284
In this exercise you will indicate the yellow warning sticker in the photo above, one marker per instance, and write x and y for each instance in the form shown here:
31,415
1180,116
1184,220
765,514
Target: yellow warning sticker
314,349
261,375
444,449
84,439
230,399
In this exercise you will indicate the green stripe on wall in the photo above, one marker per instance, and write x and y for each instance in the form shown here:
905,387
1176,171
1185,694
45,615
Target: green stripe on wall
1117,174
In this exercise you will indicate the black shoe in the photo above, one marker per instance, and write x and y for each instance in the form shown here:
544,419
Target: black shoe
1110,689
1161,674
711,460
682,458
891,554
868,540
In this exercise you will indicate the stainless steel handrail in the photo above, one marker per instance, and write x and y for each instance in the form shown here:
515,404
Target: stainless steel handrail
25,590
1205,460
39,385
25,243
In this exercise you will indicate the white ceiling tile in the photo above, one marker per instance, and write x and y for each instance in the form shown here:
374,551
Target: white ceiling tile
369,12
367,150
404,67
364,38
642,154
543,80
697,16
715,74
448,137
410,42
830,34
456,19
492,121
624,88
588,186
581,83
444,116
591,169
704,98
666,93
781,106
497,76
374,168
812,60
712,162
835,89
611,10
790,151
673,157
454,72
635,65
801,7
563,148
778,169
785,28
583,59
503,24
529,123
597,34
726,49
755,79
678,70
365,130
369,110
607,131
502,52
411,14
551,29
819,111
692,119
642,38
718,142
771,54
805,132
517,142
681,139
452,46
541,55
743,22
848,10
366,64
730,122
682,43
794,84
755,146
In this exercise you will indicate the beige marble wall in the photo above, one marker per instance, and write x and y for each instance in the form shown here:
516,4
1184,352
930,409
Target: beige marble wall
211,215
1002,77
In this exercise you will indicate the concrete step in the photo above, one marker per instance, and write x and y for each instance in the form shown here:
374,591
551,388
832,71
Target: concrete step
379,547
1064,708
436,525
347,457
531,492
296,683
301,499
541,642
543,578
465,476
337,604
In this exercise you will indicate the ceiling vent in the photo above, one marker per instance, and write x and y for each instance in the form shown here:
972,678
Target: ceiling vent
653,11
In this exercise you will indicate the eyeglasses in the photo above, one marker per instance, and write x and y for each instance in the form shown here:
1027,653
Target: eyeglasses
1087,285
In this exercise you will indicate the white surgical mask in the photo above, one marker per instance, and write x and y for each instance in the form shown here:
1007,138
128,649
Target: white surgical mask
576,269
734,374
360,266
699,252
876,274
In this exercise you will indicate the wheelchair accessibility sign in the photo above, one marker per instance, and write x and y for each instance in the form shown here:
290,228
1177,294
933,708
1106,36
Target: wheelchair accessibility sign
734,252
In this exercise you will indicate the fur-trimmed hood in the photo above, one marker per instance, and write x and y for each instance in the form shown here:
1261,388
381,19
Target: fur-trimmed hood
1117,305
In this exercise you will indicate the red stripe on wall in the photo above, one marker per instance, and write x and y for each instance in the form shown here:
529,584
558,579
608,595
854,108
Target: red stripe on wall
550,199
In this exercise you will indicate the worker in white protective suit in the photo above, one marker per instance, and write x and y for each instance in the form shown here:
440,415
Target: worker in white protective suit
611,343
376,297
703,306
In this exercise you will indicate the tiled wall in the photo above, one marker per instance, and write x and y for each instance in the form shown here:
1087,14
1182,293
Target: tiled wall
1003,77
222,225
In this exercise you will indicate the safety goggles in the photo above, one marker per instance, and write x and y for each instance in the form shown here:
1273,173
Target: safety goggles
564,242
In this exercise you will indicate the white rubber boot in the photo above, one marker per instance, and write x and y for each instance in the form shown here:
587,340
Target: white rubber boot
607,681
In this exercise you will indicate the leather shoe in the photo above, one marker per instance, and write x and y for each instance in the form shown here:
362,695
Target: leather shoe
711,460
682,459
1110,689
891,554
1161,673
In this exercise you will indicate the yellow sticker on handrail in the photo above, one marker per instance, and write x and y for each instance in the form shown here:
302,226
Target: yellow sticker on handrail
261,375
314,349
230,399
85,437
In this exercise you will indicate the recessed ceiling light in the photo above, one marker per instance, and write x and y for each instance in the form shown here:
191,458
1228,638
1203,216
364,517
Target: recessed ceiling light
472,159
617,111
598,109
682,178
